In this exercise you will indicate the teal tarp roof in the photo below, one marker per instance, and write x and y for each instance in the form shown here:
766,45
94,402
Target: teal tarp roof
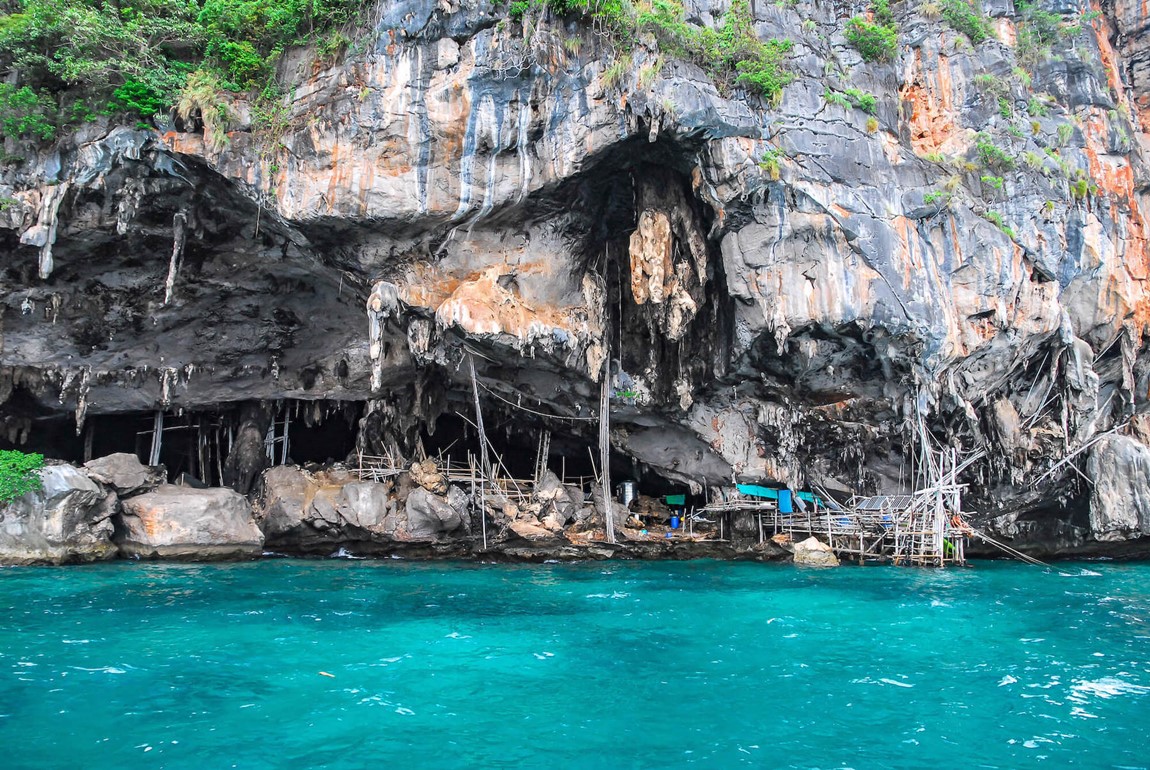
754,490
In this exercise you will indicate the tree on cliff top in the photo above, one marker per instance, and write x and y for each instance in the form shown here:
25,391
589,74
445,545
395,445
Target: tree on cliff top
19,474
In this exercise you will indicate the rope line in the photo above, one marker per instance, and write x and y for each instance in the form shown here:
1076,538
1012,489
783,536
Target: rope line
532,411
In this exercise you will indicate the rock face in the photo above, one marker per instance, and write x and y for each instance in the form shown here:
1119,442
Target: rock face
1120,499
186,523
314,512
792,291
815,553
124,474
429,515
67,521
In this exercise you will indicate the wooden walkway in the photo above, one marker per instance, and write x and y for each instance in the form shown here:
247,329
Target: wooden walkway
923,529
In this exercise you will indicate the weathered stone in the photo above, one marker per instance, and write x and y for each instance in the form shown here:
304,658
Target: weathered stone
125,474
184,523
304,511
426,474
430,516
814,553
68,520
528,530
1120,500
284,502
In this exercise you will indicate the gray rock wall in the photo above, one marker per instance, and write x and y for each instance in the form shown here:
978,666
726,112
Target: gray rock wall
455,185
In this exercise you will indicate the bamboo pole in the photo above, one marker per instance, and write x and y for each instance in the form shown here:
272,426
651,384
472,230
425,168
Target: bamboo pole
483,460
157,437
605,448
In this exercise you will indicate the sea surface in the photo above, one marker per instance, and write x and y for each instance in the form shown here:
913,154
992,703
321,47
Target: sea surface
394,664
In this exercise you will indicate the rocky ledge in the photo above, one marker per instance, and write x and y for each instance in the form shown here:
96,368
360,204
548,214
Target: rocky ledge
116,507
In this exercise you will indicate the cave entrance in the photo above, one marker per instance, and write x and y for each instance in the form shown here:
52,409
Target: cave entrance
317,431
513,447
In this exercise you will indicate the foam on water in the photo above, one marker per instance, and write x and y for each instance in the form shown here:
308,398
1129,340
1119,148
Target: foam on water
352,664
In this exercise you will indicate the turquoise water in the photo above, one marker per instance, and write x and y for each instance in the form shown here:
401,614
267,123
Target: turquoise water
649,665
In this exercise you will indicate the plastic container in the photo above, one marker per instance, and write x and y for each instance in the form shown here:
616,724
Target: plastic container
675,522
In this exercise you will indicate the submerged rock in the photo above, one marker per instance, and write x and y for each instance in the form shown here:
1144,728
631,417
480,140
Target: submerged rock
68,520
180,522
815,553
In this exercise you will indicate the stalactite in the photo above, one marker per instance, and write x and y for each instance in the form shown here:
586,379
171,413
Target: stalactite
382,304
43,234
82,398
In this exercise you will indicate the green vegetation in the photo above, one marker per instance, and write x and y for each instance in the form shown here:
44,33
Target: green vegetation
966,16
991,155
941,198
996,218
74,59
1065,131
995,182
731,53
771,163
1035,161
19,474
612,13
615,72
851,97
26,113
1039,30
876,40
1036,108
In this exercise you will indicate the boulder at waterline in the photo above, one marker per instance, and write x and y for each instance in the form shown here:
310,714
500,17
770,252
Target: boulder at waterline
185,523
299,509
429,515
67,520
1120,500
812,552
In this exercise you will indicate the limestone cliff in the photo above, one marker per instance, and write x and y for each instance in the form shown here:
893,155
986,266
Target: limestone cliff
798,290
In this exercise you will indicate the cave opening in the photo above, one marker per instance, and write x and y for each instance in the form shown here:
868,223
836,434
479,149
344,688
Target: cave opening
319,432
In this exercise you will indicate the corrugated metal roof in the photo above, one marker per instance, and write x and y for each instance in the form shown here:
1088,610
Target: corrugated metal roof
886,503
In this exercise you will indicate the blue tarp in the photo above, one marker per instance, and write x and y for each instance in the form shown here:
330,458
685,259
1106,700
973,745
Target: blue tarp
785,505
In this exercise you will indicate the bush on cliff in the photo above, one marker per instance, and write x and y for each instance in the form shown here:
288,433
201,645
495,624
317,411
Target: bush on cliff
78,58
19,474
875,40
731,53
966,16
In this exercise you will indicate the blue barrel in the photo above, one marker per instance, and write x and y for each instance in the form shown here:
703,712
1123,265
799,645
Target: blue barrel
675,522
